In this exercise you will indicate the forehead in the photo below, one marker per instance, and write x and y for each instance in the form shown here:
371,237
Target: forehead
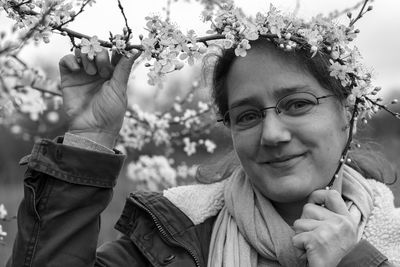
266,74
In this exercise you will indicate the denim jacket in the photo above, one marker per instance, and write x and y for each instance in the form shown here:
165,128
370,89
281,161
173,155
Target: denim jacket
66,189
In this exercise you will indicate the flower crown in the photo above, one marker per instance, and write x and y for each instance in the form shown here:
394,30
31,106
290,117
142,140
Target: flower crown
321,35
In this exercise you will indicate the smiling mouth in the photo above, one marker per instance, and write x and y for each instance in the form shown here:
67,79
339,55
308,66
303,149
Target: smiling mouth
284,160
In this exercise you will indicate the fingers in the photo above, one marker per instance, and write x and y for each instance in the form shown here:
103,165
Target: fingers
69,63
305,225
103,64
316,212
115,57
88,65
123,69
301,240
331,199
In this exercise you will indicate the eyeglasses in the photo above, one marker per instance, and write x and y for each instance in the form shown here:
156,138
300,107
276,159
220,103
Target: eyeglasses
290,106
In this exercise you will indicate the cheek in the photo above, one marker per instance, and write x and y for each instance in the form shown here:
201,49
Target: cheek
327,140
245,145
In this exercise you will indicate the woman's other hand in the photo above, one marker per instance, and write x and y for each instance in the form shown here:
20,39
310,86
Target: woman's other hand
325,233
94,94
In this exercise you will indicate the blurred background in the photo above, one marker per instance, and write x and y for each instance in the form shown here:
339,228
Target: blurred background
378,42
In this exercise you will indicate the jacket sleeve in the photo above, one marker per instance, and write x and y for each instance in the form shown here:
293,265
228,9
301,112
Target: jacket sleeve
65,190
365,255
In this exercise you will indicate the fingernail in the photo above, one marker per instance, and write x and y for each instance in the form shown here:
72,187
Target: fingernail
91,70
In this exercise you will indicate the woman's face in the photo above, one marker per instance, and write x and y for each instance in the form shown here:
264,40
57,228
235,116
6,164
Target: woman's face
286,159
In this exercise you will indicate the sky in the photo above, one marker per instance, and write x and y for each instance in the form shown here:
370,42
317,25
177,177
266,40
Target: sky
378,42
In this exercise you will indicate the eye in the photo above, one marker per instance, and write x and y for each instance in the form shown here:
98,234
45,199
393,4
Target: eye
247,117
297,106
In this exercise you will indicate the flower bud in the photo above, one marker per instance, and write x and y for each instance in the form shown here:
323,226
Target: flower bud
314,49
179,65
394,101
369,8
349,15
288,35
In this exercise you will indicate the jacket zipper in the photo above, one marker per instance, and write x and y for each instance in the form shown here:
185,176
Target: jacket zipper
167,236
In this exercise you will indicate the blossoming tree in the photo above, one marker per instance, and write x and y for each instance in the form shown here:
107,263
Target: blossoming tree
166,49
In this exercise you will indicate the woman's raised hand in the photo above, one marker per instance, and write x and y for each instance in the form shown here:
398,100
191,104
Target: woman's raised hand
326,233
94,94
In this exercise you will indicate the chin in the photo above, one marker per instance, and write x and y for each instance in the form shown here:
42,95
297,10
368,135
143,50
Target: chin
286,189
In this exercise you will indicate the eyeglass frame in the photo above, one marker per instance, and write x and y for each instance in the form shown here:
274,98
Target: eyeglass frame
277,111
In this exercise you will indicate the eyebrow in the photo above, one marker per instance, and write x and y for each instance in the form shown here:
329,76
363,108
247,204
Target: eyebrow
245,101
284,91
279,93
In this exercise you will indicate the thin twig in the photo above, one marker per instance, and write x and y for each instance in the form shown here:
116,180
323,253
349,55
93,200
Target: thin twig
20,4
396,114
74,17
168,11
42,90
337,14
121,8
8,219
360,14
20,61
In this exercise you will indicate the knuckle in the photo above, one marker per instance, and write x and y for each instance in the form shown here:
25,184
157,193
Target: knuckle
296,224
64,59
333,194
308,207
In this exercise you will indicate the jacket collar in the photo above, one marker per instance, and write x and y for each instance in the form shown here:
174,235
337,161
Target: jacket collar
143,210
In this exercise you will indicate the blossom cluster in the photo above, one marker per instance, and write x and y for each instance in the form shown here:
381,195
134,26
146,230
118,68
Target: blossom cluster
37,19
169,47
166,129
166,49
19,90
157,173
321,35
3,215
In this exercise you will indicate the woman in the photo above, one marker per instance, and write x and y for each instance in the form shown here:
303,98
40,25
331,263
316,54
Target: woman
289,128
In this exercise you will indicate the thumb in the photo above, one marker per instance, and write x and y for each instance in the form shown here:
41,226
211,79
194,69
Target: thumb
123,69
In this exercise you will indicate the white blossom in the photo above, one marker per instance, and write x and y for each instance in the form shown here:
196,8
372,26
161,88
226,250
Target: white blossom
3,212
154,171
190,147
210,146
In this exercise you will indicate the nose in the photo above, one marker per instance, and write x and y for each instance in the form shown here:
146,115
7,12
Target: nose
274,130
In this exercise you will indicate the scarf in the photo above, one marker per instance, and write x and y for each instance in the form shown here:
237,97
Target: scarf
249,232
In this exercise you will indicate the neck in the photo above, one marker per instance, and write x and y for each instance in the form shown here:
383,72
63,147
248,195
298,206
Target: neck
290,212
293,210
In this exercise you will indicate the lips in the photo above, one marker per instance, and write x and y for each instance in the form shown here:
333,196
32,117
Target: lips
284,160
